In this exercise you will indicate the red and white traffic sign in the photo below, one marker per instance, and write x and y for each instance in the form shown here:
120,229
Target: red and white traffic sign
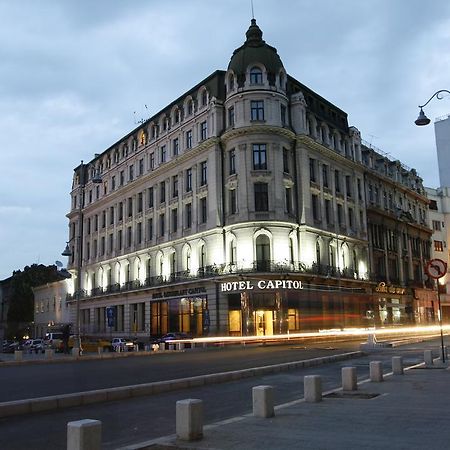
436,268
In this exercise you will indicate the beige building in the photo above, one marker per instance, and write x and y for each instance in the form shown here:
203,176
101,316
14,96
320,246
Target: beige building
239,209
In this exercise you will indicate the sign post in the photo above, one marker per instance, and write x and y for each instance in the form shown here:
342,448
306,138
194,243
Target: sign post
436,269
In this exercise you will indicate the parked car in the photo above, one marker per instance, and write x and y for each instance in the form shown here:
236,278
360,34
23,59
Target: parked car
12,347
175,336
53,340
37,346
122,345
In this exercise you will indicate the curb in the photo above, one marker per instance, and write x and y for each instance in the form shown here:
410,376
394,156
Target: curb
56,402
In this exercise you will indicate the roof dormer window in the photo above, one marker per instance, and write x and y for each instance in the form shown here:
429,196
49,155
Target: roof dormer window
256,75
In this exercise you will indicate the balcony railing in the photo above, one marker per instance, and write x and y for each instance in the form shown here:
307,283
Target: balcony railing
215,270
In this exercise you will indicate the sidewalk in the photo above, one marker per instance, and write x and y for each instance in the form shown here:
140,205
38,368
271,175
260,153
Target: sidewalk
410,412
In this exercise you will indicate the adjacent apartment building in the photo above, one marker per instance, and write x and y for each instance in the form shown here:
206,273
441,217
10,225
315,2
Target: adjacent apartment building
247,206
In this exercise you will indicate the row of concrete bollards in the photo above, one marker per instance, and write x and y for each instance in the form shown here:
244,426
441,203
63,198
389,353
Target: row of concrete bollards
86,434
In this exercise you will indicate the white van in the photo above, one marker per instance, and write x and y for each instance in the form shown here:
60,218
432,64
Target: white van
53,340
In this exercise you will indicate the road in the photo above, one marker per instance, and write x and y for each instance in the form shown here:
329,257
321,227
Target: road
136,420
42,380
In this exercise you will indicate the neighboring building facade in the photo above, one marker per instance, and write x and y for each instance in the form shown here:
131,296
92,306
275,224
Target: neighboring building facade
239,209
51,310
5,293
442,136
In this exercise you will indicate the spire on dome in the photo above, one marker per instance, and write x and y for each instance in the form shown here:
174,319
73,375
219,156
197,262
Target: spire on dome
254,35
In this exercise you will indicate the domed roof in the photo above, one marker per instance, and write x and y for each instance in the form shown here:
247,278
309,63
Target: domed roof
255,50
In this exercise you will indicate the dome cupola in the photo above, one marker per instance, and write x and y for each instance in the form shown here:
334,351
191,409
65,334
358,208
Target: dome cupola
255,51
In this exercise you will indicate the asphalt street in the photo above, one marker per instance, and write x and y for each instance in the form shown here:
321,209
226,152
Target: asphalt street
140,419
30,381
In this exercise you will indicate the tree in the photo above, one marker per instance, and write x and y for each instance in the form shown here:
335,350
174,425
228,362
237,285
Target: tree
21,308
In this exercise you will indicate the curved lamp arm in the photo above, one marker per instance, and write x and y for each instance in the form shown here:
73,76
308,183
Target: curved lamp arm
437,95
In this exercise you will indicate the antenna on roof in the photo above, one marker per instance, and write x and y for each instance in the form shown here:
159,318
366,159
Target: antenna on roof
253,12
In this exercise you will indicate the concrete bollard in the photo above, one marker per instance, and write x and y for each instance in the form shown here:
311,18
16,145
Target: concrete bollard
376,371
162,346
18,355
180,346
49,353
189,419
349,379
263,401
75,351
312,386
397,365
428,357
84,434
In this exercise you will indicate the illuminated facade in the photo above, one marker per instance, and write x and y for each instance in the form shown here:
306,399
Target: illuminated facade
239,209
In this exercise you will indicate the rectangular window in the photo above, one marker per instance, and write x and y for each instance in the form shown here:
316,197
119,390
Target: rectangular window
113,183
257,110
189,139
261,197
188,180
163,154
129,234
359,189
175,186
328,216
138,232
111,215
232,161
120,211
283,115
162,192
139,199
351,219
96,222
203,210
340,213
150,197
438,246
188,209
141,166
315,207
121,178
233,203
103,219
312,170
203,173
286,160
203,131
152,161
174,220
162,224
348,186
259,157
287,193
325,177
102,246
231,116
131,173
150,229
130,206
437,225
176,147
337,181
111,243
119,240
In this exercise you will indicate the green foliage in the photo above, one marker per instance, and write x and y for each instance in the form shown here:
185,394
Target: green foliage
21,308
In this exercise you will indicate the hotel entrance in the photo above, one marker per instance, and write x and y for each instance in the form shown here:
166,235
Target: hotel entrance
263,322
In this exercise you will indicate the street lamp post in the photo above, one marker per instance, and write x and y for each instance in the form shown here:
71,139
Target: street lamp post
423,119
67,252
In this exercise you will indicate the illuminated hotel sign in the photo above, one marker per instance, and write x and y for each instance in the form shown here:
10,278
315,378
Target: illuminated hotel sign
389,289
261,284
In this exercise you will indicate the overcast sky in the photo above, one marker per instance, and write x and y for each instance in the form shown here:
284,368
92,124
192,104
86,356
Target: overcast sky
72,73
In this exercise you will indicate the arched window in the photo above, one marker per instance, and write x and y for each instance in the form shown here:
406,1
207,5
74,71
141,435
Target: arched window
188,260
318,260
262,253
355,262
256,75
173,263
202,257
190,107
231,82
233,252
148,268
204,97
291,251
332,261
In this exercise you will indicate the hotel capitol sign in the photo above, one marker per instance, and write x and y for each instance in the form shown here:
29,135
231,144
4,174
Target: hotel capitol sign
249,285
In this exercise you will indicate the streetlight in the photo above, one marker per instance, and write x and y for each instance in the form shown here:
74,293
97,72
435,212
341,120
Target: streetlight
68,252
423,119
